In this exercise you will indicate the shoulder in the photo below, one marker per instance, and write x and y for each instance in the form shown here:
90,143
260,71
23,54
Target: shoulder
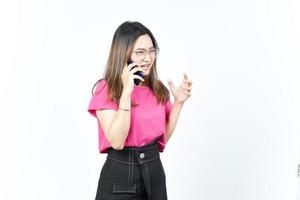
102,82
101,85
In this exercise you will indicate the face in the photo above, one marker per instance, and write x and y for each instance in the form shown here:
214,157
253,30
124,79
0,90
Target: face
144,53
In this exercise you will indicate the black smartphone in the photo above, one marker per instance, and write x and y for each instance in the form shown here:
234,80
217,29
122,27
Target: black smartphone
139,73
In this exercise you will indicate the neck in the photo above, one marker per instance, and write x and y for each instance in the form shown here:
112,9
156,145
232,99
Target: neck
142,84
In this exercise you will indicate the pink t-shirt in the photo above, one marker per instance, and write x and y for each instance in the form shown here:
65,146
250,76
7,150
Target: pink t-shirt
148,120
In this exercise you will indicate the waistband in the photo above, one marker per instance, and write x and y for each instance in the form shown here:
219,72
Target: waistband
135,155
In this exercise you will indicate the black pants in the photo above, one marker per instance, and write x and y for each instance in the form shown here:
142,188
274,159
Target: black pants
134,173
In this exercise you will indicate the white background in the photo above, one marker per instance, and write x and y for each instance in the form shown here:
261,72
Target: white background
238,134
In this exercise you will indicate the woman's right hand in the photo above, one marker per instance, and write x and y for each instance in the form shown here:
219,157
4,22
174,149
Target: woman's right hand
128,77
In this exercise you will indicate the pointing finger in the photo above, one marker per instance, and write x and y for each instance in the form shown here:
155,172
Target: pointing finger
185,76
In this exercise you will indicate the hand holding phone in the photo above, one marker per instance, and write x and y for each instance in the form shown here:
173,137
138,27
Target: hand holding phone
139,73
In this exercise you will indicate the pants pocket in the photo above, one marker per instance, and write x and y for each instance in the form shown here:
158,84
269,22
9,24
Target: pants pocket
123,187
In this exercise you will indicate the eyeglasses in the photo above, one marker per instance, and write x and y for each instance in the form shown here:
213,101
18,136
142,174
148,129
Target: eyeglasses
142,53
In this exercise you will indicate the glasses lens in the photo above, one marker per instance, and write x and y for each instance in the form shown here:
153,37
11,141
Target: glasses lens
142,54
154,52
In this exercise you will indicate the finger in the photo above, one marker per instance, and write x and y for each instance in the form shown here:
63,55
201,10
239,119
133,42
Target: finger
138,77
187,93
188,81
185,76
131,65
135,70
170,83
187,88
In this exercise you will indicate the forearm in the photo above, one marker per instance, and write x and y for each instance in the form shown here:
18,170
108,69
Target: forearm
121,123
173,118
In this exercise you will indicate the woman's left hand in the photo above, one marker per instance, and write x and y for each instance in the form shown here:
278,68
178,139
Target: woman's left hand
183,92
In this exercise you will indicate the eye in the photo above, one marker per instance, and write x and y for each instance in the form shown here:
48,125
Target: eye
140,52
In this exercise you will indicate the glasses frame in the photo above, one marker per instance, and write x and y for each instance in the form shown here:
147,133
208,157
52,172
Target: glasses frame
146,52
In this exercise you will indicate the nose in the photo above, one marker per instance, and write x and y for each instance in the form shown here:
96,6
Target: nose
147,57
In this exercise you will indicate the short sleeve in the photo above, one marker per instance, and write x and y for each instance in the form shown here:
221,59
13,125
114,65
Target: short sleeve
100,100
168,108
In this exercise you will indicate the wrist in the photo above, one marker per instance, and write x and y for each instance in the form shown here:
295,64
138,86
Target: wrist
125,100
126,93
178,102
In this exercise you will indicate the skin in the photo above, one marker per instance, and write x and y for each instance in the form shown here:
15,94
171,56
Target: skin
180,93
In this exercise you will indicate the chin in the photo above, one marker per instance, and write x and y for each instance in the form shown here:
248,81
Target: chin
147,72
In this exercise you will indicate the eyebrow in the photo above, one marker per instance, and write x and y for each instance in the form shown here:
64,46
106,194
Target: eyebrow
144,49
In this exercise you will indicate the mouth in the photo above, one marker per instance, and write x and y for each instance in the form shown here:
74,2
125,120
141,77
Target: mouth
145,67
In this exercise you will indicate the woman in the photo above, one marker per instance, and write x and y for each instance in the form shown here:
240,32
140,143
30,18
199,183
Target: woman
135,120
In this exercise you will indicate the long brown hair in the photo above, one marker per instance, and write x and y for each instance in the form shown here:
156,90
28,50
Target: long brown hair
122,44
